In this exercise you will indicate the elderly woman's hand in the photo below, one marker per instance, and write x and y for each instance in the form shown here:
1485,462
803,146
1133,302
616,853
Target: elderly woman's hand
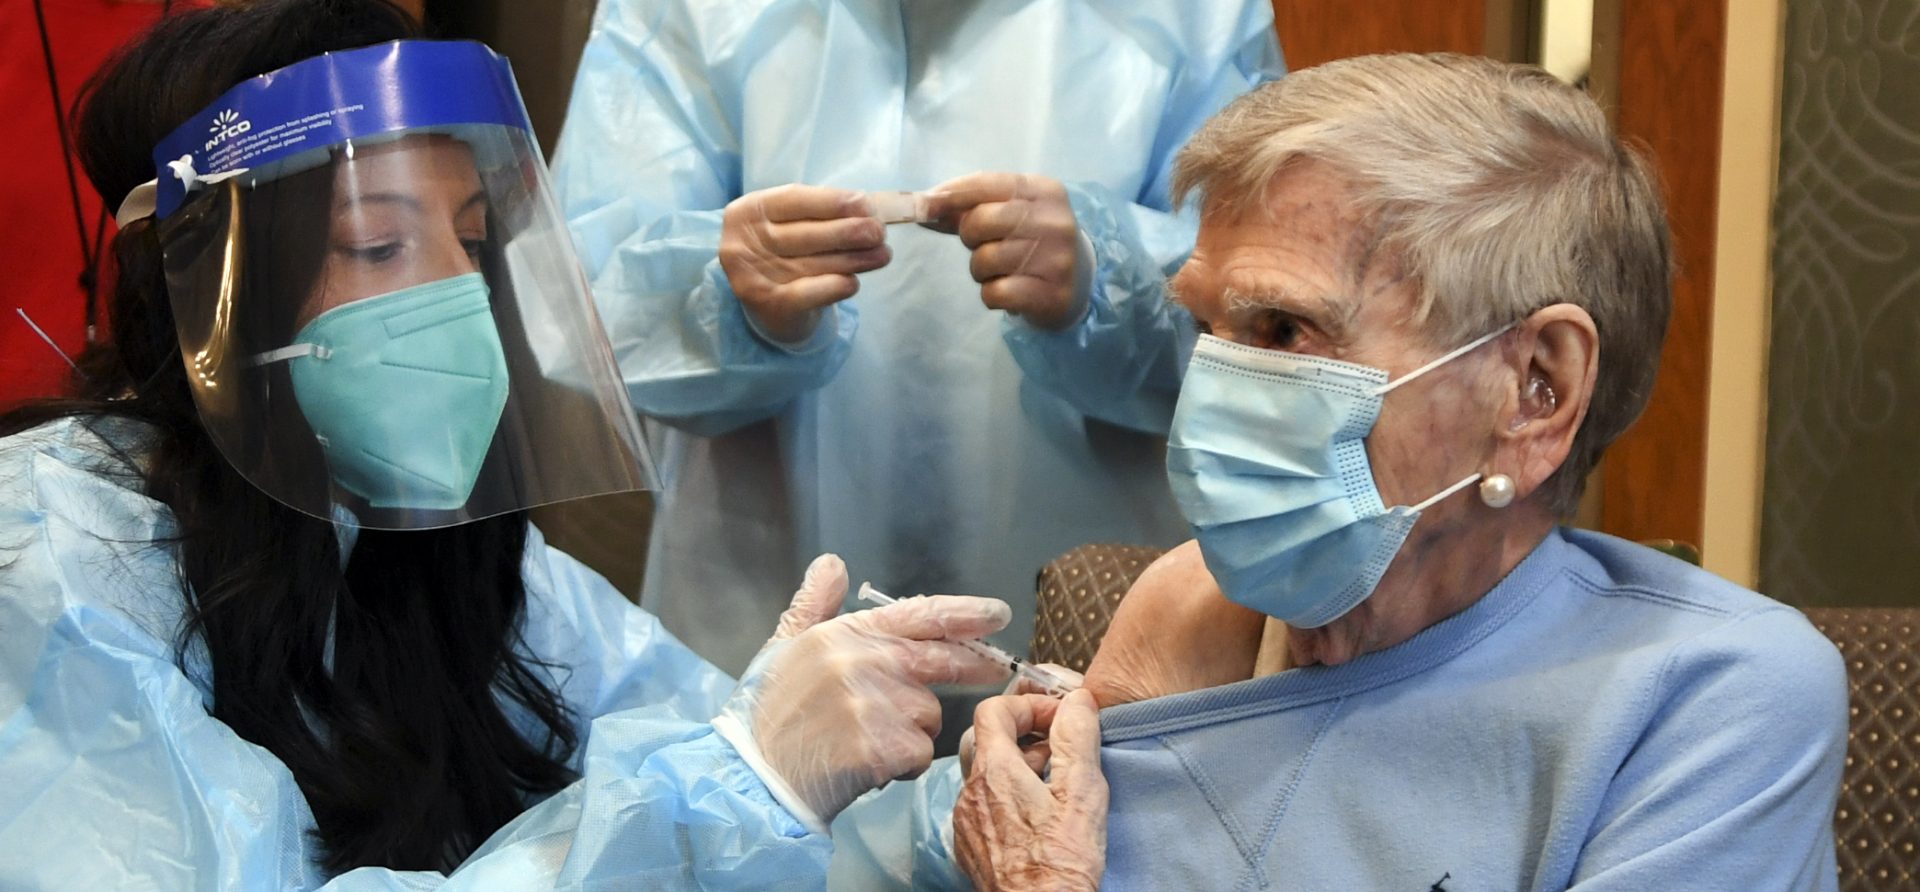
1012,830
1174,632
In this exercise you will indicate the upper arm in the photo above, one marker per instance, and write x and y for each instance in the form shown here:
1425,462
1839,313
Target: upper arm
1248,56
649,128
1174,631
116,775
613,654
120,778
1736,775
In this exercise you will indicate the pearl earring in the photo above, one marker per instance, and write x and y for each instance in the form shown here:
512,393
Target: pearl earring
1496,490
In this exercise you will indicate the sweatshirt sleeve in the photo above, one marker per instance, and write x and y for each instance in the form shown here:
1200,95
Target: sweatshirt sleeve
1734,781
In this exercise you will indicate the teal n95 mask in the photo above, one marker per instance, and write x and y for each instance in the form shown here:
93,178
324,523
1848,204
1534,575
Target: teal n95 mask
378,303
1268,461
404,391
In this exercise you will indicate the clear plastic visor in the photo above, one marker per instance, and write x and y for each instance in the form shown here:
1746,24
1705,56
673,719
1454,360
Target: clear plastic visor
395,332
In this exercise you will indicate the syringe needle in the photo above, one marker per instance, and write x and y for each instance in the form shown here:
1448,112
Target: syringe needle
1022,668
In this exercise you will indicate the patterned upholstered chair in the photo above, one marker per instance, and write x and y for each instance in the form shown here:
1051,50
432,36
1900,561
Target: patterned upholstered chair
1877,824
1078,593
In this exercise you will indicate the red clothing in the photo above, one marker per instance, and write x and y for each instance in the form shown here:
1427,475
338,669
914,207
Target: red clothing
40,247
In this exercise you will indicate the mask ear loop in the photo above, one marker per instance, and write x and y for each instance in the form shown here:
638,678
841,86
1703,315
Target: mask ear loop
1445,358
1463,484
284,354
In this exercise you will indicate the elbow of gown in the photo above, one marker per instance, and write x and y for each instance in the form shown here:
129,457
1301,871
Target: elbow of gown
662,803
686,351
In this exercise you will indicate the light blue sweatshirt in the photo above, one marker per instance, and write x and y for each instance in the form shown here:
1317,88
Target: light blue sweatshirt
1605,718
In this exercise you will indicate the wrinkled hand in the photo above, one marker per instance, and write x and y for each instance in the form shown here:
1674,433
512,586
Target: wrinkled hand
838,705
1012,830
791,250
1174,632
1036,753
1024,238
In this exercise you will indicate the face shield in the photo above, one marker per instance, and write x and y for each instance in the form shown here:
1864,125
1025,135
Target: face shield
377,300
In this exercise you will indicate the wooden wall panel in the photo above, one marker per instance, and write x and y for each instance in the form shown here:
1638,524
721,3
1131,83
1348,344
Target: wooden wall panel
1316,31
1671,64
1659,66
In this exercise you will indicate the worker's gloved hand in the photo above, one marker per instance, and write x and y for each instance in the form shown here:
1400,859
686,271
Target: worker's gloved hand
1025,240
834,706
791,250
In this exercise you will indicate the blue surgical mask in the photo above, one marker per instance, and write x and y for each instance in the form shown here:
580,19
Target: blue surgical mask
1268,461
404,391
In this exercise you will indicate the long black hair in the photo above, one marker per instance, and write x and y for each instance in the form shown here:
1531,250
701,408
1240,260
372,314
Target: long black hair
409,746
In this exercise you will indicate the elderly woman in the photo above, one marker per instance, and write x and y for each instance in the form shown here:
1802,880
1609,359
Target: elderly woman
1440,284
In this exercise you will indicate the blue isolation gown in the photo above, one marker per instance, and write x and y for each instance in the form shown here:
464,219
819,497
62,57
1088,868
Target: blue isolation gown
936,445
114,776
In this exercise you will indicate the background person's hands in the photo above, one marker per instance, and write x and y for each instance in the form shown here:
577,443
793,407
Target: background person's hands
791,250
1025,242
835,706
1174,632
1014,831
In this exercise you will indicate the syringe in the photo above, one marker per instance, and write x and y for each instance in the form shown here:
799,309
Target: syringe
1041,677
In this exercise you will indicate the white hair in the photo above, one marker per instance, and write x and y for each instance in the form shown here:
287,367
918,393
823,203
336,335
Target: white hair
1498,188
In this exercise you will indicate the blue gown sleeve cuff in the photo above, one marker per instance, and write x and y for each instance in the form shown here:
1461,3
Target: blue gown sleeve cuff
741,740
826,324
934,863
736,775
1086,279
1117,363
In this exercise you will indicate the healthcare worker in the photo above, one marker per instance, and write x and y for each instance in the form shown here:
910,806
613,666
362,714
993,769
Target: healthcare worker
981,398
274,617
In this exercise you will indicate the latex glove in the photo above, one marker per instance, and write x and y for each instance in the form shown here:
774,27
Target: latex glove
834,706
1015,831
1174,632
1025,240
791,250
1037,752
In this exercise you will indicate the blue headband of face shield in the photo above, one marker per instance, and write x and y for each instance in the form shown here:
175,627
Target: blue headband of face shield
275,123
